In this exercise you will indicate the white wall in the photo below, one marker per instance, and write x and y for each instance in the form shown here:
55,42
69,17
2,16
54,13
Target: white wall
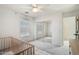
9,23
69,28
49,28
46,29
56,29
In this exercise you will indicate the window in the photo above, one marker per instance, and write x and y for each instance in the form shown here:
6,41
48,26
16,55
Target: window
25,27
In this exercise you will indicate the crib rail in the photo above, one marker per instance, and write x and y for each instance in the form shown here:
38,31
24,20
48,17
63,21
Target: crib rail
29,51
17,47
5,43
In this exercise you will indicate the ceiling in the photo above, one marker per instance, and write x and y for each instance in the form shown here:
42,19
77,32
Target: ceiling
22,8
44,9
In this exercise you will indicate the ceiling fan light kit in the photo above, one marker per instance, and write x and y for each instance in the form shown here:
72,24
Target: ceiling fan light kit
35,8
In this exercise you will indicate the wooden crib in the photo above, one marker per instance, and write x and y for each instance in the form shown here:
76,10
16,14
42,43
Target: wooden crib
13,46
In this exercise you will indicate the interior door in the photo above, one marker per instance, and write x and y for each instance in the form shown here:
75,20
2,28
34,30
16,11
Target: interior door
69,28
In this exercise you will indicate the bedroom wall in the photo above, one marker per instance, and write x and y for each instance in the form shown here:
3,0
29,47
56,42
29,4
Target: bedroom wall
46,29
49,29
9,23
56,29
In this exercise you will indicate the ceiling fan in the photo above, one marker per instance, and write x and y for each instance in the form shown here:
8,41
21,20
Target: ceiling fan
36,8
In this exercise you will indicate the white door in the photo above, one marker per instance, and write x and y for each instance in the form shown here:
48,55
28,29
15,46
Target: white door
69,27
